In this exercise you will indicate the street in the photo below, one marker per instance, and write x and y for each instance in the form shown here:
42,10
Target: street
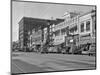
35,62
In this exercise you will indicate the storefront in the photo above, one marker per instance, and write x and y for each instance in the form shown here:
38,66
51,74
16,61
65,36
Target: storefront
84,39
88,43
72,42
72,39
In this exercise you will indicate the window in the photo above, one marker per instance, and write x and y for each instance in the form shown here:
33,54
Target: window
88,26
82,27
73,29
53,29
63,31
57,33
50,29
50,26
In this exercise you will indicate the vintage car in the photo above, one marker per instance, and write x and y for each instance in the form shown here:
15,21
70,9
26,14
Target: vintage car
91,51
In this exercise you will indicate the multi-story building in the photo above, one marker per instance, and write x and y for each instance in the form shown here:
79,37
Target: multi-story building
52,29
59,33
69,26
26,25
87,28
74,28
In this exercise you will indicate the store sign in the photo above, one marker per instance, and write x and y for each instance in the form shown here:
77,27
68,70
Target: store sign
71,40
59,40
85,39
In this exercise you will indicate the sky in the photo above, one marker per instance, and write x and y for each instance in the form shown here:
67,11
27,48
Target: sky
41,10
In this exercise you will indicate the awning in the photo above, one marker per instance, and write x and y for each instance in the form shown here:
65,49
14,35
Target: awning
91,40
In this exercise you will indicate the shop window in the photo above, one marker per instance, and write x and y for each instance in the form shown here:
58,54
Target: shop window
88,26
82,27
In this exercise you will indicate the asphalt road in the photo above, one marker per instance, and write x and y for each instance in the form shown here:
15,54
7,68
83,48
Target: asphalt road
33,62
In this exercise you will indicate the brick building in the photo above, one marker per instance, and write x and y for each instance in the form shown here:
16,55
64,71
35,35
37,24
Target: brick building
26,25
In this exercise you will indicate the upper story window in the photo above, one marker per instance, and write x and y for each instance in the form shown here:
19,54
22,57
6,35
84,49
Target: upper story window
50,26
82,27
57,33
88,26
63,31
73,29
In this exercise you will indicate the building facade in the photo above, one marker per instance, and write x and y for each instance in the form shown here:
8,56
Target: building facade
31,30
63,29
36,39
73,29
87,28
26,25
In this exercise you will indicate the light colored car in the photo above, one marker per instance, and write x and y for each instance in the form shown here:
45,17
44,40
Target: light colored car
85,52
91,51
52,50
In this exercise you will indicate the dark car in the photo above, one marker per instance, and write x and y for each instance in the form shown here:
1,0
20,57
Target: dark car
65,50
77,50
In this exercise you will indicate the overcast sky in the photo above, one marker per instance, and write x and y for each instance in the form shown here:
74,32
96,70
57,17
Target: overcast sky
40,10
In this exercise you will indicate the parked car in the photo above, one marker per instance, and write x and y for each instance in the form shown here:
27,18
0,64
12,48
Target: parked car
85,52
78,51
65,50
44,49
52,49
91,51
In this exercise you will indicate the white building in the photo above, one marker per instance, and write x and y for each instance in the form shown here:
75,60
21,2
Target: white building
59,33
61,28
82,27
86,28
